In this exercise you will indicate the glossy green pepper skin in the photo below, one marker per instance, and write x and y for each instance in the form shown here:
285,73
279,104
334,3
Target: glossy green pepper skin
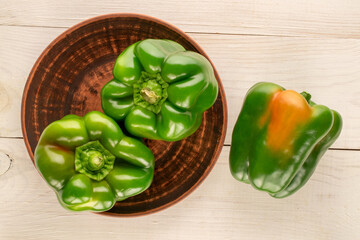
91,164
160,90
279,138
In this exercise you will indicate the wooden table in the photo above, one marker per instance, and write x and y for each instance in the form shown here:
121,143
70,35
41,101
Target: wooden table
301,45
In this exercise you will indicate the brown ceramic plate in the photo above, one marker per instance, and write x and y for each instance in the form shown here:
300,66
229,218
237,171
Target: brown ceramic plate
67,79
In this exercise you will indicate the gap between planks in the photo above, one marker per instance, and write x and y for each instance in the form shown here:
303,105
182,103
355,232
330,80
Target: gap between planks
227,145
195,32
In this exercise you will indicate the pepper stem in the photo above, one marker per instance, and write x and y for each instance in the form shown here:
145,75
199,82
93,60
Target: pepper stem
149,96
93,160
307,96
150,91
96,161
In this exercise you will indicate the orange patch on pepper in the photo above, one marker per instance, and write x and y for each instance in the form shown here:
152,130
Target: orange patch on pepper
287,111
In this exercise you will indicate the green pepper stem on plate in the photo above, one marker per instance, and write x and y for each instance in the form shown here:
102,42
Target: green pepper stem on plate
91,164
160,90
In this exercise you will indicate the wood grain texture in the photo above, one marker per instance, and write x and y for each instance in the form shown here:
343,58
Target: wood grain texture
330,19
68,78
221,208
327,68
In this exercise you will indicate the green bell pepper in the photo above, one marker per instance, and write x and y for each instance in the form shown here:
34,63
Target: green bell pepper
279,138
160,90
91,164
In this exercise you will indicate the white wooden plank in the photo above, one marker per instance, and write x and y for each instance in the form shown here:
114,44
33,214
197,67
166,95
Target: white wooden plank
221,208
326,68
329,18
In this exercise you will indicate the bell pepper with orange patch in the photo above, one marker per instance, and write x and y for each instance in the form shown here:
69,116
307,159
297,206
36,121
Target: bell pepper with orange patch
279,138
